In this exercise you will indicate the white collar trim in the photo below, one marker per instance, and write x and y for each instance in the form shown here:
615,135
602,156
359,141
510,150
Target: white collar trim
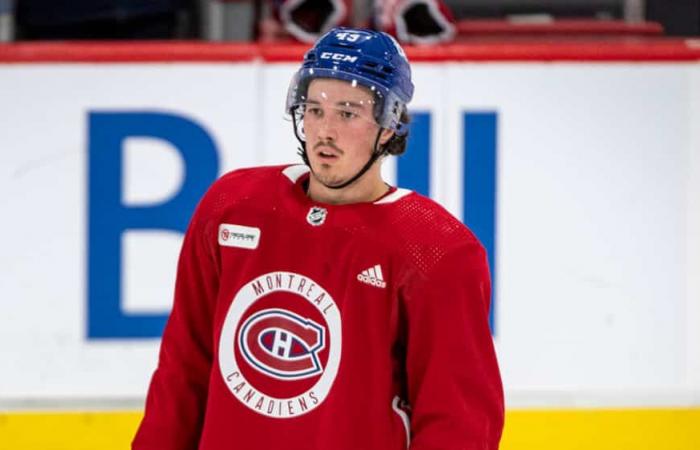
295,172
394,196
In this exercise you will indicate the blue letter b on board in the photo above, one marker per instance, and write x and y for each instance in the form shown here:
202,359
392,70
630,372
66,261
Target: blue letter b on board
479,176
479,181
109,217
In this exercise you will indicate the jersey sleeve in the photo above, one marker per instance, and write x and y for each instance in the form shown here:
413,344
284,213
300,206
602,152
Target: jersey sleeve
454,385
177,394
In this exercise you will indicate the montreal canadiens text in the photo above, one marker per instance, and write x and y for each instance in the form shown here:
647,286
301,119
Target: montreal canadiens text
307,289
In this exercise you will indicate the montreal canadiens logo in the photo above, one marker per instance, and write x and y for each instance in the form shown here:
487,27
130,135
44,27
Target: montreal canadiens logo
280,345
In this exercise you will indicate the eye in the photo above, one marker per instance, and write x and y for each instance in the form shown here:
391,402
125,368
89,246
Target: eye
347,114
314,111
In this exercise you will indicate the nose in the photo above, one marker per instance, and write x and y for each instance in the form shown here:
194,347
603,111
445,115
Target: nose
327,130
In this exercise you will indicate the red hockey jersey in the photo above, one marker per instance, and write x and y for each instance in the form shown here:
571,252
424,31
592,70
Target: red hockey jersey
299,326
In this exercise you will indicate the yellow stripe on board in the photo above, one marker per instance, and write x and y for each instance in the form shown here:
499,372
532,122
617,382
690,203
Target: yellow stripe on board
626,429
68,430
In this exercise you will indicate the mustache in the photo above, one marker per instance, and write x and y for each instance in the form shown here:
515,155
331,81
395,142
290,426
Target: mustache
328,144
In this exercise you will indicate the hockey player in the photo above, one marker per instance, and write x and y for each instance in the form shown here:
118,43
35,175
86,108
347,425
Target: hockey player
317,307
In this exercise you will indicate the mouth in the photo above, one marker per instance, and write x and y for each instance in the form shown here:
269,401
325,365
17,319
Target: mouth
327,154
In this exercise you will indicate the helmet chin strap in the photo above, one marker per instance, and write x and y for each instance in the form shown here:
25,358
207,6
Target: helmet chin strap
376,154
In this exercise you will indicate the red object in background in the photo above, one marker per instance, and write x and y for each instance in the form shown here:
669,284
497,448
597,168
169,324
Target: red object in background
306,20
422,22
410,21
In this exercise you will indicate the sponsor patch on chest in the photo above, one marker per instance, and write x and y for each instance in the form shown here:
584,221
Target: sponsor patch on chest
231,235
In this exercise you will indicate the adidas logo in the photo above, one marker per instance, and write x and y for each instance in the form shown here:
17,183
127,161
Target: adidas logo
372,276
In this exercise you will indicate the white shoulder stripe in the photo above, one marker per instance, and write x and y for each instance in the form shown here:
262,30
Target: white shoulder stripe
404,418
296,171
396,195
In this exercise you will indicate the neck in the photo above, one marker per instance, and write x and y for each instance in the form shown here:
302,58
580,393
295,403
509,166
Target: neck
369,187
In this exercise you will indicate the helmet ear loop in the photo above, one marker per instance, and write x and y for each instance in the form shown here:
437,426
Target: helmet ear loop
301,151
401,129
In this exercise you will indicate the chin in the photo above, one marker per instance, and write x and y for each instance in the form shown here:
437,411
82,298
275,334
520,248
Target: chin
327,177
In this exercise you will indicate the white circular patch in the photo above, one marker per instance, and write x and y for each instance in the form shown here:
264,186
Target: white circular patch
278,348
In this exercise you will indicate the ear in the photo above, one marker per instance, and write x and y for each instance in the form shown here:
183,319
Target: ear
385,136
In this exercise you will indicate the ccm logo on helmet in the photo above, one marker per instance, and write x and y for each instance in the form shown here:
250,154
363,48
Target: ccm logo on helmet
338,57
282,344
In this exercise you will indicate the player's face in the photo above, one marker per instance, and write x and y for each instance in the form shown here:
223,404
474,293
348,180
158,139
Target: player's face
340,129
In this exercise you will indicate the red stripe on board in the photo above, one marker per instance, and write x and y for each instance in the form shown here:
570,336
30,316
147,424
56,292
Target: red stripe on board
127,52
600,28
643,50
632,50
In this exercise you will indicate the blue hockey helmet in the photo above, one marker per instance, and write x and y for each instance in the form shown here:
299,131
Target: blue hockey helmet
368,58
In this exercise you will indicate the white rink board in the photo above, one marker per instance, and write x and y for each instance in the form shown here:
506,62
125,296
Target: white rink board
597,216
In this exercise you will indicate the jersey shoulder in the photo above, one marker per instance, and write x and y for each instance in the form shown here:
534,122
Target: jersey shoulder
251,180
253,184
425,232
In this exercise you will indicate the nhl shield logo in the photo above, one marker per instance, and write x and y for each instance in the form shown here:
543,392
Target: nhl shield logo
316,216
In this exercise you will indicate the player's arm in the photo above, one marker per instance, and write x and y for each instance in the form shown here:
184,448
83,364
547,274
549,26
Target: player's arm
454,385
178,390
